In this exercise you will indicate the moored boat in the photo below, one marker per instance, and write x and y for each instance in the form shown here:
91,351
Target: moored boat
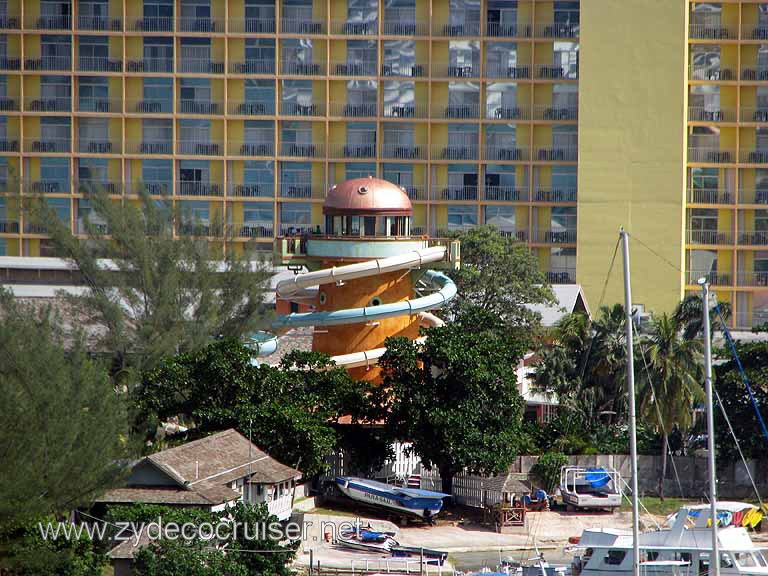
424,504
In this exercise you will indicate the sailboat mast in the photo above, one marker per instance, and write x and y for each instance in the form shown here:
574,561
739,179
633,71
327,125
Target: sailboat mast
632,413
714,559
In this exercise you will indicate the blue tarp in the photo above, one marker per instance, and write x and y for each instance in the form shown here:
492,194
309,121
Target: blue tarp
597,477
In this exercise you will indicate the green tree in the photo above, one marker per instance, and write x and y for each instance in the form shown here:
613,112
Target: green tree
455,397
547,469
161,292
671,388
689,317
63,425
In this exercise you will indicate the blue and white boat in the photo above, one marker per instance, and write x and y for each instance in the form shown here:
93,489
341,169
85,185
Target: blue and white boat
422,503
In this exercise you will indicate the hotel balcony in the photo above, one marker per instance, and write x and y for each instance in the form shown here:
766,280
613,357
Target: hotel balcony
507,113
34,228
702,114
707,72
754,74
753,238
460,193
711,31
711,155
511,30
752,279
710,196
98,146
508,152
555,113
415,192
302,68
197,189
254,230
557,30
47,145
557,154
200,228
561,276
297,229
90,64
353,68
9,227
252,67
560,236
252,25
409,110
554,195
352,150
403,22
46,187
496,70
753,196
414,71
754,156
47,104
200,66
83,226
195,24
8,104
510,232
505,193
10,22
296,109
149,187
152,24
555,72
10,63
456,111
63,63
447,70
714,278
157,65
710,237
301,150
61,22
251,108
199,147
759,115
160,106
343,109
455,152
101,105
358,28
9,145
88,185
298,23
468,28
149,147
403,152
300,190
250,190
240,148
188,106
100,23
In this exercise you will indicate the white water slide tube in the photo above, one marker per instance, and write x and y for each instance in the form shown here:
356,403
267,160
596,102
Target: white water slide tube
297,286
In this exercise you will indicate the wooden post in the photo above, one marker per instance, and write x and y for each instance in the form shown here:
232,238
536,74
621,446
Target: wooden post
311,561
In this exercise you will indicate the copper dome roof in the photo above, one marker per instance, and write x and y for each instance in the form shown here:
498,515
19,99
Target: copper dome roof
367,196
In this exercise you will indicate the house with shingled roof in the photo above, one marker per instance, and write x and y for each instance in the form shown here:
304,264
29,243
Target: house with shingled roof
212,473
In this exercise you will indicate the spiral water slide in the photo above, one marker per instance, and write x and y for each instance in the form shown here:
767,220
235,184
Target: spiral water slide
298,288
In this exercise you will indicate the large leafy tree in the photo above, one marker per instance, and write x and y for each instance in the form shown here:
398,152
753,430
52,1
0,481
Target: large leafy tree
670,388
290,410
689,316
155,286
455,396
63,424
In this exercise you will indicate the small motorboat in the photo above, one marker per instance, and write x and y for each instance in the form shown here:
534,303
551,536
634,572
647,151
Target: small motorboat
424,504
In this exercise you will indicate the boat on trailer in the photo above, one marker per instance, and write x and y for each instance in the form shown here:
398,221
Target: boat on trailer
591,487
424,504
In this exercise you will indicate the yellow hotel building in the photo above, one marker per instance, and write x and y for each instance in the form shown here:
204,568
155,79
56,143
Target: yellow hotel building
556,120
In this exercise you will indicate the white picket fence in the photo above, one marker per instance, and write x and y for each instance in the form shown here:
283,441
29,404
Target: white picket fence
468,490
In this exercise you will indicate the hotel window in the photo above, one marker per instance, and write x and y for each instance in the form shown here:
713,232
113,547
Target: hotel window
361,138
62,208
158,94
567,16
565,137
563,219
464,17
296,133
295,216
705,62
704,102
704,184
297,53
563,260
400,174
501,100
260,53
195,10
761,185
565,96
260,94
3,173
195,95
259,175
360,170
501,59
400,58
157,176
362,11
399,99
55,14
259,15
463,99
195,55
702,262
162,10
93,50
93,93
502,17
296,179
4,47
702,220
158,54
297,95
464,135
56,92
564,179
462,182
259,135
761,221
93,170
363,93
258,215
503,217
157,132
398,135
461,217
761,139
95,13
194,135
761,263
87,213
500,183
194,171
3,128
56,129
195,216
56,51
463,58
93,135
298,11
54,173
566,56
501,142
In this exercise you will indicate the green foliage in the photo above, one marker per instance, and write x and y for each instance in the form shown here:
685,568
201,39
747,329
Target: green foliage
162,294
689,316
455,397
289,410
145,513
547,469
63,424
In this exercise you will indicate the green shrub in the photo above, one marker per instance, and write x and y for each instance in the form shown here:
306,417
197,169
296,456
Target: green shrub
547,470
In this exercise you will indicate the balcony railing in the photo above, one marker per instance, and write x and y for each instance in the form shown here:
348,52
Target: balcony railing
714,278
200,66
8,145
286,229
252,67
9,22
498,70
251,108
557,30
561,276
353,68
10,63
456,111
200,229
412,71
153,188
754,156
353,150
88,185
759,115
415,193
199,148
34,228
302,26
88,226
298,190
557,154
753,238
754,74
544,194
63,63
404,151
302,68
447,70
454,152
348,28
711,155
301,150
255,230
505,193
710,196
188,106
193,24
162,106
91,64
296,109
92,146
403,22
152,24
47,144
710,237
752,196
250,190
513,30
711,31
471,27
746,278
562,236
556,72
252,25
507,113
48,104
198,189
759,32
460,193
703,114
149,147
99,23
8,104
354,110
509,152
239,148
61,22
46,187
101,105
9,227
556,113
712,73
410,110
158,65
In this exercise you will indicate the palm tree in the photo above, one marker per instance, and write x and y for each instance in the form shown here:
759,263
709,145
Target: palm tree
670,388
688,315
